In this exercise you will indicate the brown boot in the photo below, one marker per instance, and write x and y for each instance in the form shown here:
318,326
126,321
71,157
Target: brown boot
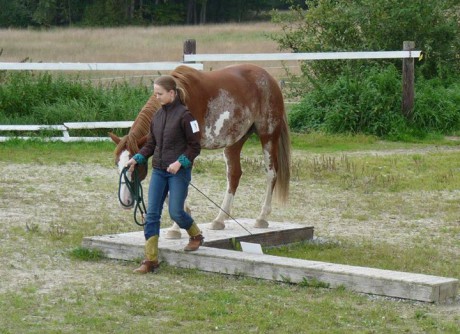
196,238
147,267
151,256
194,243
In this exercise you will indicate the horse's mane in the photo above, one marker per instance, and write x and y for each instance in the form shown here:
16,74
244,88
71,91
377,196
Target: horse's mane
186,78
139,129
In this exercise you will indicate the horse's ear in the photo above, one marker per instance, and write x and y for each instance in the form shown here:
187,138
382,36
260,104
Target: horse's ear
114,137
143,140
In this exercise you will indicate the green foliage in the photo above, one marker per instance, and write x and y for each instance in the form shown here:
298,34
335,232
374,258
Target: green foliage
169,13
370,103
437,106
360,25
313,283
47,13
31,98
364,96
86,254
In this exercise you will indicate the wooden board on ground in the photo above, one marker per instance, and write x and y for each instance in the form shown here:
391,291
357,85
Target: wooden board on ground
130,246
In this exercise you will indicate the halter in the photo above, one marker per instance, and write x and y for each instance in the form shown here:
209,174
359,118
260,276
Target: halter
136,191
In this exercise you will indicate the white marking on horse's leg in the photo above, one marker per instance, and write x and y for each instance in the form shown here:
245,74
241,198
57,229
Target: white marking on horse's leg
219,222
125,195
261,220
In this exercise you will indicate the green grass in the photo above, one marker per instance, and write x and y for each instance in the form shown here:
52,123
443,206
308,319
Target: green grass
419,258
176,301
320,142
43,153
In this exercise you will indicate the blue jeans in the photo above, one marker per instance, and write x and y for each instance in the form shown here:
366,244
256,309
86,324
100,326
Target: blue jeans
161,183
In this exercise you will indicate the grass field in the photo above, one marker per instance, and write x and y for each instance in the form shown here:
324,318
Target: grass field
136,44
379,204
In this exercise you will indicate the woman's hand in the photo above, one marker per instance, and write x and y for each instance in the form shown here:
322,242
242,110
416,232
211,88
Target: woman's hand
131,164
174,167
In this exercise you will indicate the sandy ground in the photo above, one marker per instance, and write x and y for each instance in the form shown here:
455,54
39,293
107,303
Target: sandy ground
44,208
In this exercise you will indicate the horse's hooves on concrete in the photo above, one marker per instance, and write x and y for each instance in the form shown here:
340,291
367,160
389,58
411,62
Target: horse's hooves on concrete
173,234
216,225
261,223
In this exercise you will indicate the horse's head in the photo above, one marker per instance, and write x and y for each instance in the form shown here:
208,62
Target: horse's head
125,149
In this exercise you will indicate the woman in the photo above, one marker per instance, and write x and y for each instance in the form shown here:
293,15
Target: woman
174,143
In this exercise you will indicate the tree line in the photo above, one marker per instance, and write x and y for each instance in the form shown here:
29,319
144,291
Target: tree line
110,13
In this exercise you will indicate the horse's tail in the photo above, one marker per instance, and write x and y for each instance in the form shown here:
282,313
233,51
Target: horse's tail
283,174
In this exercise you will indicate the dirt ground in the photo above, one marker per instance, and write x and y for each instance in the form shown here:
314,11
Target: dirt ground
47,209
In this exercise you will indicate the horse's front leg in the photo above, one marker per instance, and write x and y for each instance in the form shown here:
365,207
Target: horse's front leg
234,172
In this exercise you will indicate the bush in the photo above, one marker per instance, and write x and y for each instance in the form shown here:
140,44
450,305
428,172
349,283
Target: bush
437,106
371,104
30,98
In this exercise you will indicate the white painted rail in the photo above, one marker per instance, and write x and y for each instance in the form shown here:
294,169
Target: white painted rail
156,66
302,56
65,127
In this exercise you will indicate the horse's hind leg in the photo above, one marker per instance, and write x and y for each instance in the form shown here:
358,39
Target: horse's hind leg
270,150
234,172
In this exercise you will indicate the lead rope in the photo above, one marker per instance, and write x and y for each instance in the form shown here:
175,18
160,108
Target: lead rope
217,205
136,191
135,188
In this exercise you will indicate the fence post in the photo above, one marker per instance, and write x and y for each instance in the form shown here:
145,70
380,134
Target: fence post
189,48
408,81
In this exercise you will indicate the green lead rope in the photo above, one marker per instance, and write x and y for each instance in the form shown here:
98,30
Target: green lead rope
136,191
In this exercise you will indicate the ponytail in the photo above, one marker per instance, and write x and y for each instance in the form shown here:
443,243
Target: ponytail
169,83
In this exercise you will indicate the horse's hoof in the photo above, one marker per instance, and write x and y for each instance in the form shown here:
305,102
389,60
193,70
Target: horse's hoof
216,225
173,234
261,223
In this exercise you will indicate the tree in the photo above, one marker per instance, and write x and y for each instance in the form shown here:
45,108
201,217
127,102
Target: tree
360,25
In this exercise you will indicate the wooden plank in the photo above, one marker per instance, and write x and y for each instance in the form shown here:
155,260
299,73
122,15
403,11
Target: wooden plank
129,246
266,239
302,56
360,279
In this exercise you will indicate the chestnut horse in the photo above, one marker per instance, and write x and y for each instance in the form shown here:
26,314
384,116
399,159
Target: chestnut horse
229,104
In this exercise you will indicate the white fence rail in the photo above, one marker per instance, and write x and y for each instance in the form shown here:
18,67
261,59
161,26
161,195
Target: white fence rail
190,57
158,66
65,127
301,56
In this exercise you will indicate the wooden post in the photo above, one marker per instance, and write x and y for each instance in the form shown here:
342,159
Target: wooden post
408,81
190,47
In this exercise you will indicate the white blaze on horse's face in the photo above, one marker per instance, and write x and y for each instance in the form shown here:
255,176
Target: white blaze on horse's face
125,194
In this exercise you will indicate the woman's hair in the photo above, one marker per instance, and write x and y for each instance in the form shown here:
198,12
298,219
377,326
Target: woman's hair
168,83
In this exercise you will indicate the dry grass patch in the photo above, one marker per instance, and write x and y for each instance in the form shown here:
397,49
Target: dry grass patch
139,44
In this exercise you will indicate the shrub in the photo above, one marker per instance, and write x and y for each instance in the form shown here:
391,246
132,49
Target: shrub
371,104
30,98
